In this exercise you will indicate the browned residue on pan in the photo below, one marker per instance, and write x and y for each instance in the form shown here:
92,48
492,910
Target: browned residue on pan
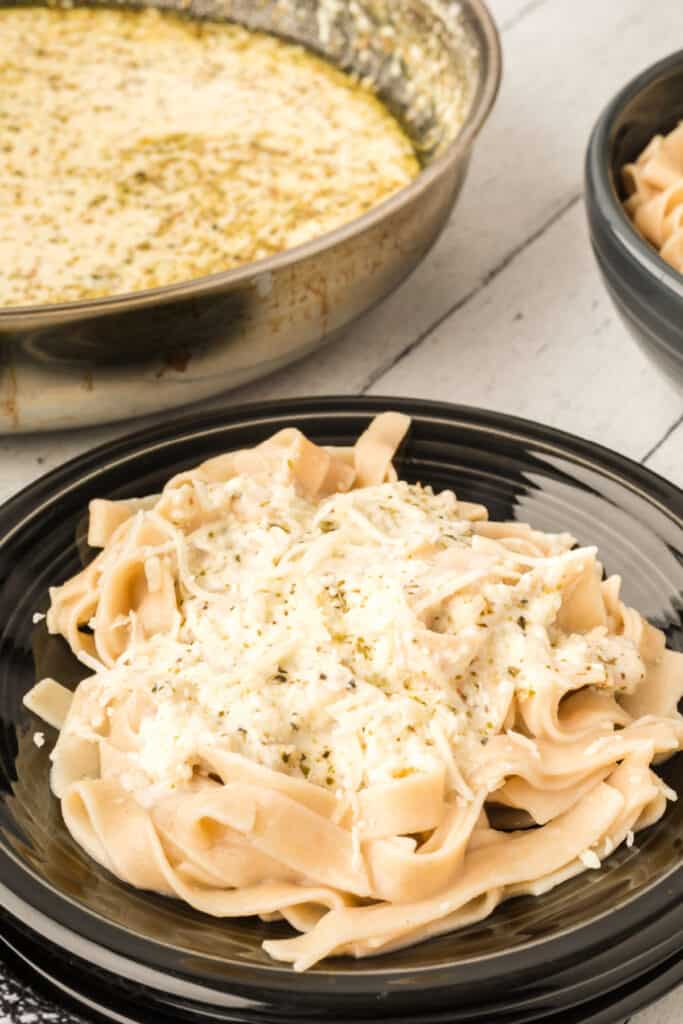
10,405
318,287
177,359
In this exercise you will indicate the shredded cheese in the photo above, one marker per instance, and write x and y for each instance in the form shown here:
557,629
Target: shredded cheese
590,859
348,641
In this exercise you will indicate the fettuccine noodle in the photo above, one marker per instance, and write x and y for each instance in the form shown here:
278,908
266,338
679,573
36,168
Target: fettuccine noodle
655,195
323,694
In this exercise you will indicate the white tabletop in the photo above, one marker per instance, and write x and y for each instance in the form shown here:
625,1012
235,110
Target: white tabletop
508,310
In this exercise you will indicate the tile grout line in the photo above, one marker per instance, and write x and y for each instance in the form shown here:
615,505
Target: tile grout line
521,14
667,434
492,274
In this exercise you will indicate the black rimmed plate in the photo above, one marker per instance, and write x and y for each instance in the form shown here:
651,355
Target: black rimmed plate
595,948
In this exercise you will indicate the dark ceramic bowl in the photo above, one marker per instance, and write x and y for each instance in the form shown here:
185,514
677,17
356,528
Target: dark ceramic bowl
647,292
596,948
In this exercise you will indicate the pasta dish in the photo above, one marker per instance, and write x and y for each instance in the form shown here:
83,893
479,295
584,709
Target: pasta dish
654,183
321,693
160,148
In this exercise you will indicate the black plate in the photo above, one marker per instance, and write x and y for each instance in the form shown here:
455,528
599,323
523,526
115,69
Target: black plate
594,948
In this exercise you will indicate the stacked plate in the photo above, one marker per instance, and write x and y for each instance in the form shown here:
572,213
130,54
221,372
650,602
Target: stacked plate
595,949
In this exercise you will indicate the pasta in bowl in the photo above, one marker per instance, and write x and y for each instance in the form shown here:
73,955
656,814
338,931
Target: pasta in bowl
654,187
322,693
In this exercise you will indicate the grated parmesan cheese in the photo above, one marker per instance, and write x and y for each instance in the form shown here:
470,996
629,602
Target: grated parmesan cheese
667,791
349,641
590,859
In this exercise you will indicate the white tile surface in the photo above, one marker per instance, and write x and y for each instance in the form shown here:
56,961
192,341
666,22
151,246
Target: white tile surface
666,1011
543,341
508,310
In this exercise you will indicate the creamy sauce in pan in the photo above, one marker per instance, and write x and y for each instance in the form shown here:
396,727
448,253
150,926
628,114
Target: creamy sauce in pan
138,149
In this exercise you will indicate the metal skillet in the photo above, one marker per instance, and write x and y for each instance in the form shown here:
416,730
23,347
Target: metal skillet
98,360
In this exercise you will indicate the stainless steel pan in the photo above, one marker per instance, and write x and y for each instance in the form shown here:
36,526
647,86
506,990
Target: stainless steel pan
117,357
